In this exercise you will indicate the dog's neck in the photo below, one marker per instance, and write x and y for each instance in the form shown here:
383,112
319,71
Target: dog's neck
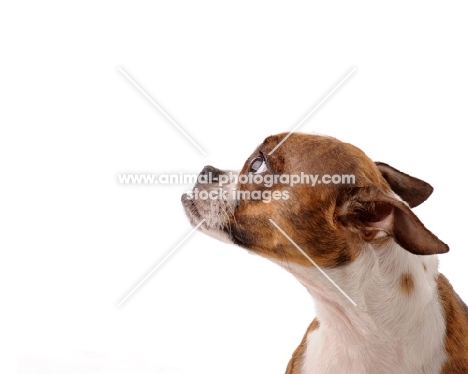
389,285
396,308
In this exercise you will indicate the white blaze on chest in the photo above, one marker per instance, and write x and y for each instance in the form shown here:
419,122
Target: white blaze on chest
397,326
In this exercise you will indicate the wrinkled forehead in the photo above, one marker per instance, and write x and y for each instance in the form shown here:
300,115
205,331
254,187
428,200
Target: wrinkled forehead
318,154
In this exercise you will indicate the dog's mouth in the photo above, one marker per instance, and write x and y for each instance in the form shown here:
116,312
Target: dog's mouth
191,210
236,237
210,205
214,229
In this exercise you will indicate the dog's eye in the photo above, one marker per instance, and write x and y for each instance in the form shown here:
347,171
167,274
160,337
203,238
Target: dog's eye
258,165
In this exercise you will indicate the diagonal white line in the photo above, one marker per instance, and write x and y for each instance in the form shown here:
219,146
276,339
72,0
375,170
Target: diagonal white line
313,262
160,263
162,111
313,110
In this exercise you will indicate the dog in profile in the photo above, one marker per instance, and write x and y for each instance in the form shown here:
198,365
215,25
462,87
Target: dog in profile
367,260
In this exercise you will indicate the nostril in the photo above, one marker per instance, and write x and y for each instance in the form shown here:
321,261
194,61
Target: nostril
210,169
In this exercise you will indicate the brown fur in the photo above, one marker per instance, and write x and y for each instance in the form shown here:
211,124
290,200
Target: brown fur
295,364
407,284
328,221
310,211
456,322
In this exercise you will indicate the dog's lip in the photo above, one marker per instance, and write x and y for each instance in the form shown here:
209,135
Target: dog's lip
236,238
191,209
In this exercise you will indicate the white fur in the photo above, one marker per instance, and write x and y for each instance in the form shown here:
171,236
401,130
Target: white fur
388,331
220,210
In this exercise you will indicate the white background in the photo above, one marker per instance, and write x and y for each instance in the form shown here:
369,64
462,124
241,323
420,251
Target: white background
74,242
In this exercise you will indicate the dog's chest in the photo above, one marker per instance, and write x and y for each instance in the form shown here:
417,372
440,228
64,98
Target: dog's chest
326,355
390,331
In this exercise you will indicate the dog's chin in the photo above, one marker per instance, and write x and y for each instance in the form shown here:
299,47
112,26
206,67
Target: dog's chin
195,217
219,235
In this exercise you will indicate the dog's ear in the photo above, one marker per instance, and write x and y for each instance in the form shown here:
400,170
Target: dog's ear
373,214
413,190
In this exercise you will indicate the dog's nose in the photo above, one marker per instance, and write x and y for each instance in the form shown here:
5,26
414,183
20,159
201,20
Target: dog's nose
211,169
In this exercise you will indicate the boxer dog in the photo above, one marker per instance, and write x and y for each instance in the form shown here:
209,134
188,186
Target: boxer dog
346,231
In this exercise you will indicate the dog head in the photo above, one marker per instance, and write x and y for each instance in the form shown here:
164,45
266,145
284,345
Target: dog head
347,201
